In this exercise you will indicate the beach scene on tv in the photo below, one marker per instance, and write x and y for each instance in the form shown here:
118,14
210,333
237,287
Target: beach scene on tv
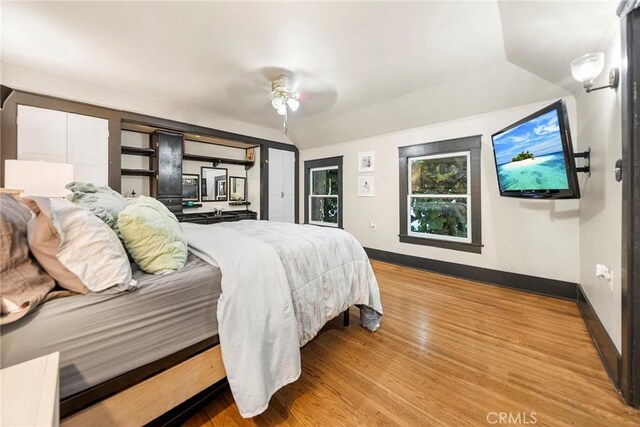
530,156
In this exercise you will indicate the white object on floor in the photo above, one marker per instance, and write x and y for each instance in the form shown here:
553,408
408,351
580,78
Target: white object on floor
30,393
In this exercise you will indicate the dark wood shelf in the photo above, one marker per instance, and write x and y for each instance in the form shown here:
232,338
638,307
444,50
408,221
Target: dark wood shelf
217,160
137,172
137,151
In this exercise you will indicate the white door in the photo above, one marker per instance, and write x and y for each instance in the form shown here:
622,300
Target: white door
281,185
88,148
42,134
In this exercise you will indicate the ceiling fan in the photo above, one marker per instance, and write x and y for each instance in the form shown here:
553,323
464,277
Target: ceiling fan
259,92
284,97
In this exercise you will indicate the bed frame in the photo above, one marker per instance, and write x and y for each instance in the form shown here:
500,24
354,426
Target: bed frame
164,392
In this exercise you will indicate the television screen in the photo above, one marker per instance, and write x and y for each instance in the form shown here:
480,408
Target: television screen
534,157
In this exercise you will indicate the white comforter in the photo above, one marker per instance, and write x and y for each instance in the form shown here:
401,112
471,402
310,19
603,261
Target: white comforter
280,284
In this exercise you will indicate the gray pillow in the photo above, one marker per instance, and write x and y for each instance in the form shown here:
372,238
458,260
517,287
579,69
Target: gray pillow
103,202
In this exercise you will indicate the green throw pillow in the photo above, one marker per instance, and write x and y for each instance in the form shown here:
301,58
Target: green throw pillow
103,202
152,236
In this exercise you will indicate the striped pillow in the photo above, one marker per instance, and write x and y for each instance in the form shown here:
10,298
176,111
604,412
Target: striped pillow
85,252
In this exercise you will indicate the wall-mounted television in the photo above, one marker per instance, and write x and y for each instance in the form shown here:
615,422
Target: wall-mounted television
534,156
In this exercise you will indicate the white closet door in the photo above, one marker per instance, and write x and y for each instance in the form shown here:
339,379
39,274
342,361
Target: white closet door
281,185
288,184
88,148
275,192
42,134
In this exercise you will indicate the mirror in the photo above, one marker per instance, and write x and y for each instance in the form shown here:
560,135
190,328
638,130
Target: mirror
237,189
214,184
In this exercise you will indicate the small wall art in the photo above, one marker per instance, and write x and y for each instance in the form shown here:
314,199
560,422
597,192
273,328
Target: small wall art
366,186
366,161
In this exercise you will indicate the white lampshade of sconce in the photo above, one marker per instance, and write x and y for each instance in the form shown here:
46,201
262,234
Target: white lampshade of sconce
282,110
293,104
38,178
588,67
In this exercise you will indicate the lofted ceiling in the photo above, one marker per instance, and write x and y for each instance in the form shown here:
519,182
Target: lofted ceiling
363,68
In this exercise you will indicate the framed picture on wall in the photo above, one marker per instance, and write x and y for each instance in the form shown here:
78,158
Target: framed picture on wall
366,161
190,187
221,187
366,187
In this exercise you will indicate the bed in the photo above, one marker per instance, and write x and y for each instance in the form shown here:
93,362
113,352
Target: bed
102,337
130,357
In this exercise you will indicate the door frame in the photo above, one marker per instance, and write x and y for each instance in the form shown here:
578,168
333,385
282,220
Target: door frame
630,73
264,176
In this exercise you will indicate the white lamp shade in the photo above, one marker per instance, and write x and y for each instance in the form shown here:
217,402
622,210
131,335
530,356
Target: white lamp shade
293,104
282,110
276,103
588,67
38,178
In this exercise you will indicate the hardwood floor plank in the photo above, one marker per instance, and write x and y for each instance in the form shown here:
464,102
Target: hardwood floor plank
449,353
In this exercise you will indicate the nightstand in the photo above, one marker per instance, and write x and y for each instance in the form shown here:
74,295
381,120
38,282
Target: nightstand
30,395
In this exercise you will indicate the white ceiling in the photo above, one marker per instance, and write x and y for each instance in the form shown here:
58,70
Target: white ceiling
364,68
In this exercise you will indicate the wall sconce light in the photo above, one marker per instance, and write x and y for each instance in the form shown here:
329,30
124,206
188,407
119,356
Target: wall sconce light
588,67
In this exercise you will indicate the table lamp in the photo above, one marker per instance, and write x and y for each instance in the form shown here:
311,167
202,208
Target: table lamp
38,178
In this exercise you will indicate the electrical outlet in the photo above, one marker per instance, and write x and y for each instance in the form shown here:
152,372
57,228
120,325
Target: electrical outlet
605,272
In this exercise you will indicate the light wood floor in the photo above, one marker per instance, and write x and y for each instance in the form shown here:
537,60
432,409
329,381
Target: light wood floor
449,352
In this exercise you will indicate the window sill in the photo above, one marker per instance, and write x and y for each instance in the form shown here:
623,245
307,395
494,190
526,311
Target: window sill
475,248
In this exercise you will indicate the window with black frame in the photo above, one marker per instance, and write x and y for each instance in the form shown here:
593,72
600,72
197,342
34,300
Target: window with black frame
323,192
440,194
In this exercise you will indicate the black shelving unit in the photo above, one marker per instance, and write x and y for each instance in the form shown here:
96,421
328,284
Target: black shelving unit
137,151
137,172
217,160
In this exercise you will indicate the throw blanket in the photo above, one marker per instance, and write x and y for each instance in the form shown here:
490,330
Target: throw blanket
280,284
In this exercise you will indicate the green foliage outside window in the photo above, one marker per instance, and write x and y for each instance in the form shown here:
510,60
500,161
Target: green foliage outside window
440,216
325,182
324,209
443,216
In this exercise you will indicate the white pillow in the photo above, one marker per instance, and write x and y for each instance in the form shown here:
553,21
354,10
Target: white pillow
90,249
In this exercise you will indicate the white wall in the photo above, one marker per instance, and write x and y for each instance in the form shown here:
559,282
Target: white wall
599,127
532,237
54,85
140,184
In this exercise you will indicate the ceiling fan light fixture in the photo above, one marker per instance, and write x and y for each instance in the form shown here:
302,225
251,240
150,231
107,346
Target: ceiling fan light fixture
293,104
283,97
277,103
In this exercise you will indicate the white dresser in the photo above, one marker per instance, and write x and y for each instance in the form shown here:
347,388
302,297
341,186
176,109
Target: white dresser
30,393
